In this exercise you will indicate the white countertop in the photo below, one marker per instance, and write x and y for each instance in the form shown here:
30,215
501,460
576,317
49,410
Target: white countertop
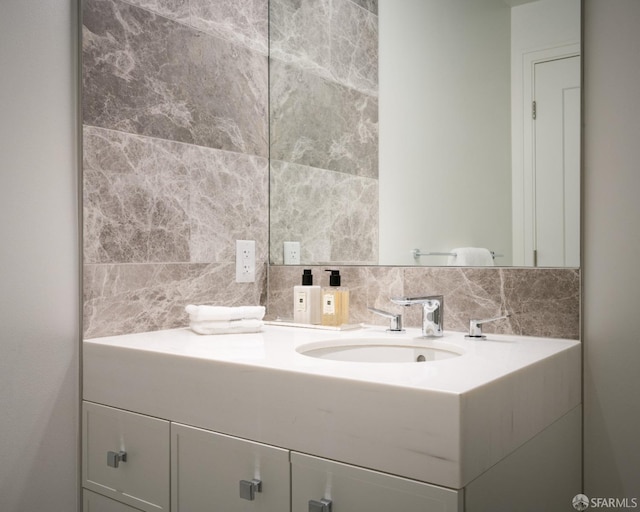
275,347
443,422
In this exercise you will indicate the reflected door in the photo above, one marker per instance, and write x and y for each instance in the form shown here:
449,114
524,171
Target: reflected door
557,163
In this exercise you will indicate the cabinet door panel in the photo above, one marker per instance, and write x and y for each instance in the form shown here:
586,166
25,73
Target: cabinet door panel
207,468
142,480
93,502
353,489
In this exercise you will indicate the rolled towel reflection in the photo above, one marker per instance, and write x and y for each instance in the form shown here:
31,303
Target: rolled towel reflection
224,313
231,327
471,257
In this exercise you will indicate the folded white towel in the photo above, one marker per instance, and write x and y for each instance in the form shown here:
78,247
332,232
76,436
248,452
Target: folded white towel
224,313
471,257
230,327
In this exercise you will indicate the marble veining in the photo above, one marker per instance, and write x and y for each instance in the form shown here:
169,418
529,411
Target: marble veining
333,215
322,124
151,200
243,22
354,47
228,202
146,74
371,5
175,150
334,39
121,298
174,9
542,302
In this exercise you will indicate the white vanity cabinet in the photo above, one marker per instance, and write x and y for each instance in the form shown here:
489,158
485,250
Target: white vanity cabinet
316,483
125,456
207,423
94,502
207,471
211,472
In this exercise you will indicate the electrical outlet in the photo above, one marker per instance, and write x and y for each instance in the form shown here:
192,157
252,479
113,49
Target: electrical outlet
292,253
245,261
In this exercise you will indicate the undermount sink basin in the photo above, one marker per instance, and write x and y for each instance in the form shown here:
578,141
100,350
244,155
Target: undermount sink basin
372,350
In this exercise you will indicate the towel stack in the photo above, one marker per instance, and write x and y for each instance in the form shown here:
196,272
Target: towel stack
225,320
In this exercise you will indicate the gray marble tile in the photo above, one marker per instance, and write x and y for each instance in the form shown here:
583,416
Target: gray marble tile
151,200
354,233
354,47
300,34
146,74
322,124
120,299
376,287
546,301
300,211
334,39
334,216
228,201
174,9
371,5
135,199
243,22
543,302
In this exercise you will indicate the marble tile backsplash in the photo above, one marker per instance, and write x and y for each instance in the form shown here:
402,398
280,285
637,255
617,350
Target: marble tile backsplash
175,166
542,302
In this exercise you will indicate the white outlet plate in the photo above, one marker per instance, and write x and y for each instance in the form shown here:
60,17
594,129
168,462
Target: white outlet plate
292,253
245,261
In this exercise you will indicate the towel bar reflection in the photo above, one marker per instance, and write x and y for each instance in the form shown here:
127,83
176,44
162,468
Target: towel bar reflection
417,253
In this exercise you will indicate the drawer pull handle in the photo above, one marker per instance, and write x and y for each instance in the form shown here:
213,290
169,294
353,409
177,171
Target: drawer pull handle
248,489
115,458
320,506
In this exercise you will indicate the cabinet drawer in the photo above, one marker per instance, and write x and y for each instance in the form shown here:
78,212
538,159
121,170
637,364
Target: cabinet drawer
92,502
126,456
353,489
207,469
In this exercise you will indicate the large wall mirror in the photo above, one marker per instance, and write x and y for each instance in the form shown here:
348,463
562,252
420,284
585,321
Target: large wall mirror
402,130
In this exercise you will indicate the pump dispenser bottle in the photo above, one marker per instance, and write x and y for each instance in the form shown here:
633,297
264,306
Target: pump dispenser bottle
335,301
306,300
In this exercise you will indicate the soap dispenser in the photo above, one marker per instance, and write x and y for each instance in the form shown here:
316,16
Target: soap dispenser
306,300
335,301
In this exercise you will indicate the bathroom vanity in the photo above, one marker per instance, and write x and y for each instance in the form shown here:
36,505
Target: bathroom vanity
283,420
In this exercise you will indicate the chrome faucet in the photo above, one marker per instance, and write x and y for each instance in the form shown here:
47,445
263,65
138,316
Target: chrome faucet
475,326
432,312
395,321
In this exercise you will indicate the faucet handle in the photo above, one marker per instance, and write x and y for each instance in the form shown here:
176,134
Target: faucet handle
475,326
396,320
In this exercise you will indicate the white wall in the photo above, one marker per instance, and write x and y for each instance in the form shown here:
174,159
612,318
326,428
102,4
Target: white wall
445,160
611,247
39,283
535,26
